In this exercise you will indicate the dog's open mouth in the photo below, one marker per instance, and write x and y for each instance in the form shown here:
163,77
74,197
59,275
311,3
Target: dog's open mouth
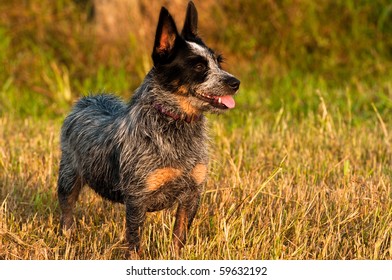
221,102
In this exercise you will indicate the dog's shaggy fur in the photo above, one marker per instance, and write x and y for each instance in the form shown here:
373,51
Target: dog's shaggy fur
152,152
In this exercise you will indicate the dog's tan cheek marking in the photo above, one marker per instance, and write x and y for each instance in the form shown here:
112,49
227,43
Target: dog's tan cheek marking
161,176
182,90
186,106
199,173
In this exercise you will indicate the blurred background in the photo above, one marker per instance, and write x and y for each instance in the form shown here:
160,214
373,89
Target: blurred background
52,52
300,169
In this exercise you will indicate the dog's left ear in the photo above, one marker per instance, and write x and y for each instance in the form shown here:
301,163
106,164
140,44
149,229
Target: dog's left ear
165,38
189,31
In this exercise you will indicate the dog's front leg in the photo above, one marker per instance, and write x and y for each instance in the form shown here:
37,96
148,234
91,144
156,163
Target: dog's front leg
135,216
186,212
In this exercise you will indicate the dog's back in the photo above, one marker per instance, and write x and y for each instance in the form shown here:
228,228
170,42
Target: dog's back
91,113
89,153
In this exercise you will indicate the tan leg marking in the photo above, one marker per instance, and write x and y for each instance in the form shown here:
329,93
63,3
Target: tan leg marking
161,176
180,229
199,173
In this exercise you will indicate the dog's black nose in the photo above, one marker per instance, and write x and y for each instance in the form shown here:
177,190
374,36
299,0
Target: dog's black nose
233,83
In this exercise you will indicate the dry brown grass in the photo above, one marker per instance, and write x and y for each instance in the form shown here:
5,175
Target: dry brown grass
278,189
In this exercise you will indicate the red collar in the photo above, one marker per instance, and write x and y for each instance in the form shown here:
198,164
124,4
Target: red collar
176,116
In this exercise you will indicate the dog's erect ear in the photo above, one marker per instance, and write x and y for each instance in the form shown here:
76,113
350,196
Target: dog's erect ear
189,30
165,37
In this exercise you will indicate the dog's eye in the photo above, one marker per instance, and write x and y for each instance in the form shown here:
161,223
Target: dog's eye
200,67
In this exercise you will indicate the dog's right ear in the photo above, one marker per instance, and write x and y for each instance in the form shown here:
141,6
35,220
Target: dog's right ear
165,38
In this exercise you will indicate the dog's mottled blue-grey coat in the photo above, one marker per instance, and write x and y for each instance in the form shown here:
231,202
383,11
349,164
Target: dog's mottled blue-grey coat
151,152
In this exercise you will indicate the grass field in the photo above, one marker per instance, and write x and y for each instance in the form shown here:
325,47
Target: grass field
300,169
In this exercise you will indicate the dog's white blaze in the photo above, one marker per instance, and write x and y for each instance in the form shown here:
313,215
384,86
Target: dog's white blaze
197,48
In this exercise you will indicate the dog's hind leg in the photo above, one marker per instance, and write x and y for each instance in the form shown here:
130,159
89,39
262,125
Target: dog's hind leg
68,189
186,212
135,216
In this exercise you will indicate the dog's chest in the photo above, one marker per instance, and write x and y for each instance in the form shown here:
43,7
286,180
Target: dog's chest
184,145
181,147
180,166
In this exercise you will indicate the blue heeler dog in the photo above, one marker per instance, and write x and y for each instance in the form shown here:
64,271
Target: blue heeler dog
152,152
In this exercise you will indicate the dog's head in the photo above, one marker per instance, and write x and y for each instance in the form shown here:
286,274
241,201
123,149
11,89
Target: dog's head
188,69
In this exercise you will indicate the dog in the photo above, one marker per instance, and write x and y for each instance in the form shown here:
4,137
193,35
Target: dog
152,152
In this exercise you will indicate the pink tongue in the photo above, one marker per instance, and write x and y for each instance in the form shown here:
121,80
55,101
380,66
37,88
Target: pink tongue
228,101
